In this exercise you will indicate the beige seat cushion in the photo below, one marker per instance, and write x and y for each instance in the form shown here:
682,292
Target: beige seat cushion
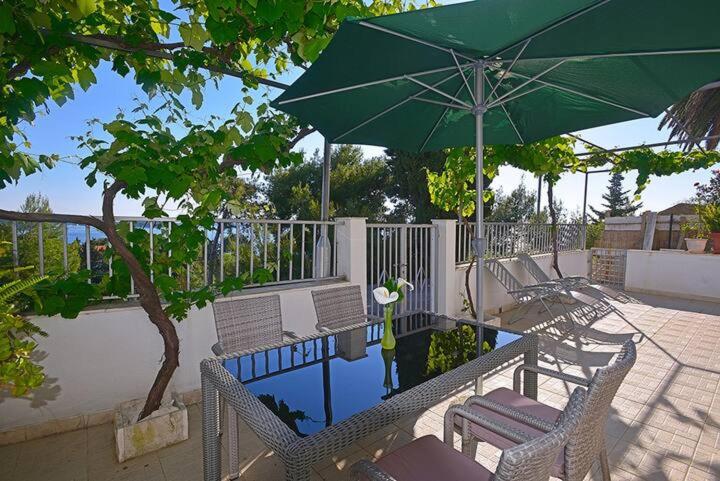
429,459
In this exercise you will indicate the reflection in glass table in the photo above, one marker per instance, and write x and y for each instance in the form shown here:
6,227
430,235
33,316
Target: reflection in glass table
312,384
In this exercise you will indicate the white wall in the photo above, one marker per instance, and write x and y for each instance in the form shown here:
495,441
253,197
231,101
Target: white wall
107,356
572,263
679,274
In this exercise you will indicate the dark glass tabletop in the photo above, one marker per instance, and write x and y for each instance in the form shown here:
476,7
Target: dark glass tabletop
312,384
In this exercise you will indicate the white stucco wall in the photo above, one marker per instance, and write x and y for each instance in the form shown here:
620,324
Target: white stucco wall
678,274
107,356
572,263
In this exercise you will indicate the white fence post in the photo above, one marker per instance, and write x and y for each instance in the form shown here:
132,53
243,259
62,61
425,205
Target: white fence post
352,250
442,254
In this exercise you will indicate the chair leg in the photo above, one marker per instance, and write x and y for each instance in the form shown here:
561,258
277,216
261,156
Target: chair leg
469,442
233,434
469,447
604,465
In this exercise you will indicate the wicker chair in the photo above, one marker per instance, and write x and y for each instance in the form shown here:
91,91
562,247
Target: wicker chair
339,307
243,324
428,459
247,323
512,409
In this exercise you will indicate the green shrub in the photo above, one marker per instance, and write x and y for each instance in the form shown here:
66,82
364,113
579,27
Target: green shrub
18,372
710,216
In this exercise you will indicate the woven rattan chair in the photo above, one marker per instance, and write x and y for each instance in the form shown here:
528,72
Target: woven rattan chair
518,412
243,324
428,459
247,323
339,307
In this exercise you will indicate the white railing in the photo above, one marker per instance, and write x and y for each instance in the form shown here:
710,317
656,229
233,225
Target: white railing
401,250
504,239
289,249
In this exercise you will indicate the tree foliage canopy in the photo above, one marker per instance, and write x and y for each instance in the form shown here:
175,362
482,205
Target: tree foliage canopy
357,186
47,48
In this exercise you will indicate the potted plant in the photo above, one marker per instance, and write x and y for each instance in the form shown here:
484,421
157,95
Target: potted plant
710,218
695,235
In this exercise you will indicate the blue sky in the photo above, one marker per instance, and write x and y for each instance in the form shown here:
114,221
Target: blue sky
65,187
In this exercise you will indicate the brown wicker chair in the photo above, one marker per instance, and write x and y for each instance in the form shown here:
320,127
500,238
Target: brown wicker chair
428,459
247,323
339,307
518,412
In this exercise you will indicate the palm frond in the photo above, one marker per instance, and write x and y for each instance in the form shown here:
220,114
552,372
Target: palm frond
695,117
15,287
15,270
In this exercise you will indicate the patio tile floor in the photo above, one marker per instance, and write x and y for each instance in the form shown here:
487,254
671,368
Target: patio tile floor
664,424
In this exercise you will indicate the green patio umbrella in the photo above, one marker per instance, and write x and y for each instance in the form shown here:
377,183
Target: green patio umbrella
505,72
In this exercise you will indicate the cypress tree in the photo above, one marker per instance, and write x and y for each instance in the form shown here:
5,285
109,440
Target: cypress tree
617,201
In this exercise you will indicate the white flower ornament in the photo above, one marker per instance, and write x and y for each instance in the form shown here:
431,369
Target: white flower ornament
402,283
384,296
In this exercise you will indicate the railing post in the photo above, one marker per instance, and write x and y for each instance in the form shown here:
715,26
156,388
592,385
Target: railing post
323,259
15,255
442,255
351,234
403,267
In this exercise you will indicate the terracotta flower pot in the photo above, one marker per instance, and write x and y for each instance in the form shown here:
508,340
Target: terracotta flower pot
696,246
715,236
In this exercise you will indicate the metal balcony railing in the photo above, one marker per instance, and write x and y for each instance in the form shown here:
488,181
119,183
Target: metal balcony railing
504,239
289,249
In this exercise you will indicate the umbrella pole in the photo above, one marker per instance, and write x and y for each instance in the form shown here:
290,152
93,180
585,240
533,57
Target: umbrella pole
479,241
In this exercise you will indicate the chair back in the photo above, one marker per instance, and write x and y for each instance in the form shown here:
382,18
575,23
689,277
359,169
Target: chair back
505,277
532,461
339,307
589,439
533,268
248,323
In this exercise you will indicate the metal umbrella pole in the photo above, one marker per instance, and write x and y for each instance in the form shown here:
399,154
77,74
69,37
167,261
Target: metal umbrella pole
479,241
323,261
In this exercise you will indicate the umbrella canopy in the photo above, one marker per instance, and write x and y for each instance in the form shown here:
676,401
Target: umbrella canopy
505,72
575,64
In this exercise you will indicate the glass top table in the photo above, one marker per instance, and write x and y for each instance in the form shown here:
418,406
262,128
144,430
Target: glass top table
309,398
313,384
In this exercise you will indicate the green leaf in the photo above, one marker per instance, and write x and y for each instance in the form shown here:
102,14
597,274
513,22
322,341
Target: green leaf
245,121
132,175
86,7
269,10
194,35
310,49
7,24
46,68
197,98
86,78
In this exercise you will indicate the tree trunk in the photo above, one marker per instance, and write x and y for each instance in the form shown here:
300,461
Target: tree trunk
553,230
150,302
149,298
